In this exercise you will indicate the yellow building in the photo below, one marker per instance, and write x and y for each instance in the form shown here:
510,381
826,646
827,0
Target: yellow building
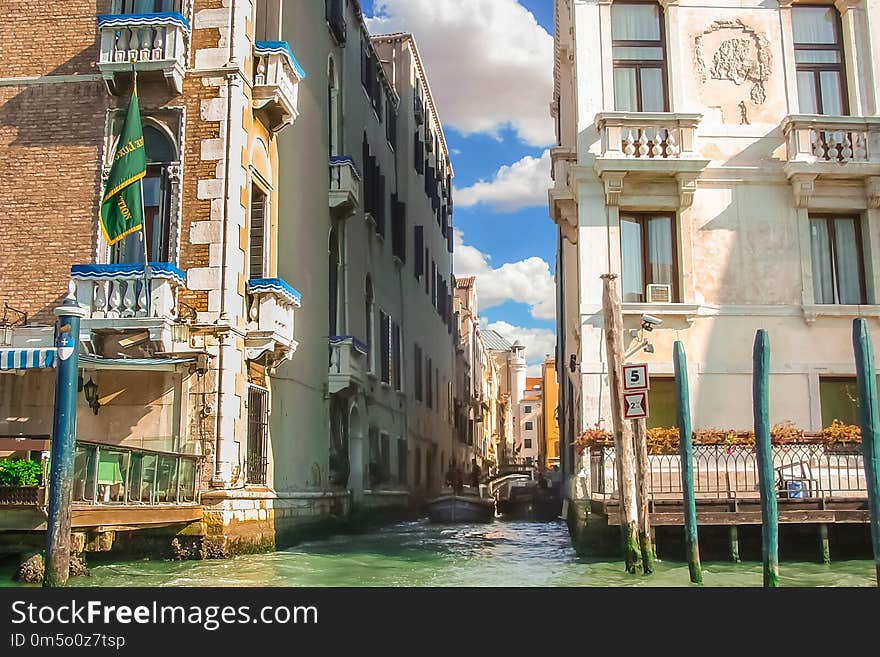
551,400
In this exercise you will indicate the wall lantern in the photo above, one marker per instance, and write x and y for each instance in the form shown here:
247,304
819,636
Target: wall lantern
90,390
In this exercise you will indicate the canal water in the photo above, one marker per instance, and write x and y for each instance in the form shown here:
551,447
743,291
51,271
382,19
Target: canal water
418,553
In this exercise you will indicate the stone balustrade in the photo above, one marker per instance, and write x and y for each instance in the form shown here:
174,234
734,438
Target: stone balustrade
277,75
348,362
838,139
156,42
118,292
647,135
345,182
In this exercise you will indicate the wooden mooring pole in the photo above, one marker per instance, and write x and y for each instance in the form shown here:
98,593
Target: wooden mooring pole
764,453
866,376
686,451
623,438
640,447
734,544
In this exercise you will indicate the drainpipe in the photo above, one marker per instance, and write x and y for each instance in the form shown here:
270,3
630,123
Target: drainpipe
224,319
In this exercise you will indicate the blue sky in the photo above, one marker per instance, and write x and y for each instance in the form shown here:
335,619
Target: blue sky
489,64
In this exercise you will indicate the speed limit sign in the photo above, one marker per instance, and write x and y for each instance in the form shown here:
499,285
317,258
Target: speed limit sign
635,377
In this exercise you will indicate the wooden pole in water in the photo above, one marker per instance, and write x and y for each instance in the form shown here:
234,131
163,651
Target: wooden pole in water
640,447
763,450
686,451
824,542
870,422
623,440
734,544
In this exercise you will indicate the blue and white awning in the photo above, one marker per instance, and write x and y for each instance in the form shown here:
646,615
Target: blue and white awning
144,20
27,359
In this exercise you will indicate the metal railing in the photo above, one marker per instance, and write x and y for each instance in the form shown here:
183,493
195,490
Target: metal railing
112,475
803,470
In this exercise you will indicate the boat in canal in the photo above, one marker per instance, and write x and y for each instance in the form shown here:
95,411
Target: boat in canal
530,499
466,504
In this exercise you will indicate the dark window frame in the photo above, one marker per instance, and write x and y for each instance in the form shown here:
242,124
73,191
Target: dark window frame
830,218
817,69
643,218
639,64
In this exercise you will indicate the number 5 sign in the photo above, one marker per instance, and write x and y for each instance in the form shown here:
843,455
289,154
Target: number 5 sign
635,377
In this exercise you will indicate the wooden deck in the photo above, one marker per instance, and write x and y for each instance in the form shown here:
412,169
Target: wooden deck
101,517
728,512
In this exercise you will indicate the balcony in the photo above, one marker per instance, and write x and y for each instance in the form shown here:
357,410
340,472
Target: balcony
348,363
563,200
156,42
116,300
344,185
277,75
418,110
832,147
648,144
270,325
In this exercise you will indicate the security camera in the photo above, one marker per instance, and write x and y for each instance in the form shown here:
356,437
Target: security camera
649,322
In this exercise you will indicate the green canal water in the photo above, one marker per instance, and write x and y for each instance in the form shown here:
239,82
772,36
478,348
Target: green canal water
411,554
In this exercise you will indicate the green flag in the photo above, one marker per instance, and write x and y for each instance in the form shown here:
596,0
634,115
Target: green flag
121,206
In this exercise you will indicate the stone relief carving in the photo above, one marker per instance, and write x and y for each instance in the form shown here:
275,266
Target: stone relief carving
744,57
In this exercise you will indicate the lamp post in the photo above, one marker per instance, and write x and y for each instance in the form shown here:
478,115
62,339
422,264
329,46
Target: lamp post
57,568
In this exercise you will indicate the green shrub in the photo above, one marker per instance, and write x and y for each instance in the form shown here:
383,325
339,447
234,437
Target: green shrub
17,472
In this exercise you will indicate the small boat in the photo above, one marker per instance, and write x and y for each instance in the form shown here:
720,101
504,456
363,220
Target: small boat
465,505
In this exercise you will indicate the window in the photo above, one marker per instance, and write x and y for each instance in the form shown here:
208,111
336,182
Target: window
430,379
391,126
335,13
838,265
527,443
639,53
840,400
819,61
648,255
530,426
333,108
268,20
434,283
398,228
396,357
417,467
662,402
334,280
417,374
528,409
158,195
258,434
402,460
419,251
385,348
368,315
385,451
427,278
419,153
257,247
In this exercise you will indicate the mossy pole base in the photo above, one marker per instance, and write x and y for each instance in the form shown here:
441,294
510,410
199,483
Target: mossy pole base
764,453
686,452
824,543
734,544
866,376
640,448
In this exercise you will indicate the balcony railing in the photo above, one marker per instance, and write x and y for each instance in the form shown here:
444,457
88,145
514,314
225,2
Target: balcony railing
105,474
272,304
277,75
345,183
348,362
832,139
645,135
116,297
802,470
157,42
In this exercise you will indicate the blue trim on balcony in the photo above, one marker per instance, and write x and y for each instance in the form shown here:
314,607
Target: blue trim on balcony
345,159
129,20
277,286
357,344
279,48
106,272
27,359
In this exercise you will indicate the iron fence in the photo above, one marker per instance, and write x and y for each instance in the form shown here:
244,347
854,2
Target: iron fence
803,470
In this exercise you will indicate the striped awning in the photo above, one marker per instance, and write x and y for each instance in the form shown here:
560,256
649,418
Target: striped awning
27,359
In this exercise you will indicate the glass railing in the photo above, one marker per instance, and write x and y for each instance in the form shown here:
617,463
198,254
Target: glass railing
105,474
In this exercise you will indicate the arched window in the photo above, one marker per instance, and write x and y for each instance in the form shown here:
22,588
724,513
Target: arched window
334,281
333,109
161,157
368,303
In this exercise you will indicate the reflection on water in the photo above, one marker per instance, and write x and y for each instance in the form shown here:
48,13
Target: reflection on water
422,554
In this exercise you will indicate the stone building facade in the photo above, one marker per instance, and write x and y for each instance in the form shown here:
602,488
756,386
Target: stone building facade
724,161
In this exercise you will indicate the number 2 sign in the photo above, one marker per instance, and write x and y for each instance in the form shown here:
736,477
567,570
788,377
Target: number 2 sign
635,377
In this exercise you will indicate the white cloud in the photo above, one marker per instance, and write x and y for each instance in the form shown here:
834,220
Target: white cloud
522,184
539,342
527,281
489,62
